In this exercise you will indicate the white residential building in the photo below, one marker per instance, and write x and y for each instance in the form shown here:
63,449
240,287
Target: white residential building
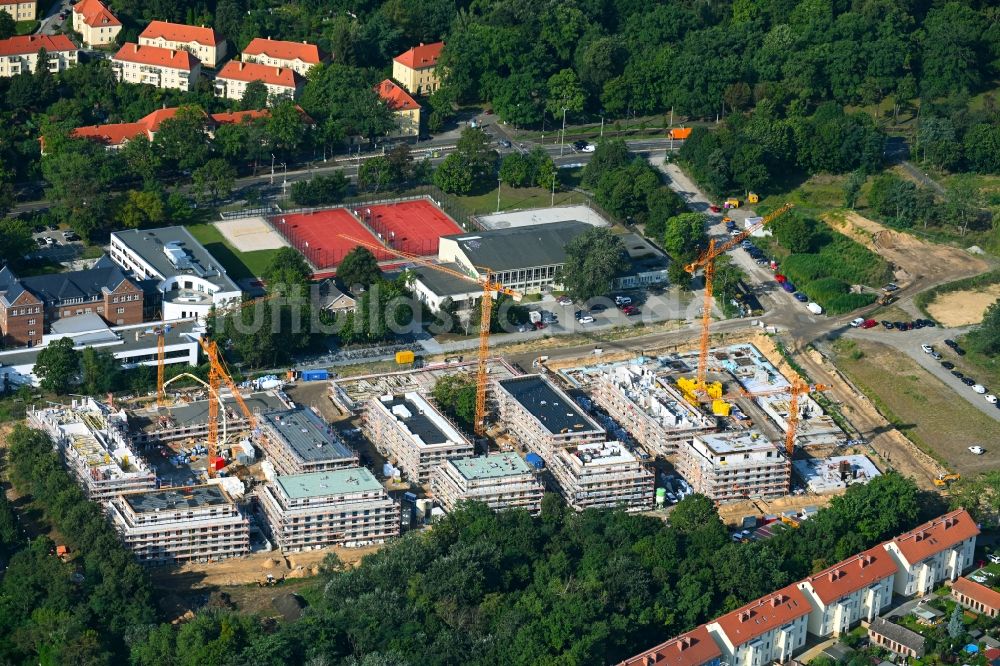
734,466
297,56
298,441
343,507
500,480
20,11
205,44
95,23
158,67
601,475
413,434
281,82
859,588
19,55
180,525
770,629
933,553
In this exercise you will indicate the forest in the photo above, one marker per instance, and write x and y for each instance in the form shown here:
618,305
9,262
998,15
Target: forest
480,588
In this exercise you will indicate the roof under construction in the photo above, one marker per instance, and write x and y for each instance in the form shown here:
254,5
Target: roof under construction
496,466
176,499
553,408
307,435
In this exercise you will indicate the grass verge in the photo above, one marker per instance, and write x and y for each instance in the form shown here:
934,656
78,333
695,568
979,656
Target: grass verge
238,265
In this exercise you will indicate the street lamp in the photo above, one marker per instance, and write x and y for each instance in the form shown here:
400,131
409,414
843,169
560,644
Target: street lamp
553,203
272,168
499,180
284,178
562,141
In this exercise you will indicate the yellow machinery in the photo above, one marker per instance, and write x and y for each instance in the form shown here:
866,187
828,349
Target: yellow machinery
404,357
752,197
720,407
944,480
797,388
733,202
707,262
489,287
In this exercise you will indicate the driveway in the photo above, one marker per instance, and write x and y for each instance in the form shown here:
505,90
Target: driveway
52,24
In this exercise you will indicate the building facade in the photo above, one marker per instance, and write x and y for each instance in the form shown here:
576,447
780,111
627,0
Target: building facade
734,466
416,68
896,639
183,525
404,108
601,475
771,629
344,507
205,44
413,434
857,589
281,82
20,11
95,23
29,306
297,441
174,69
933,553
649,408
500,480
19,55
297,56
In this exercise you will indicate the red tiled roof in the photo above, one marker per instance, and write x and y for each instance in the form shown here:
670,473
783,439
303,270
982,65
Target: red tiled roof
424,55
987,596
154,55
252,71
694,648
95,13
937,535
236,117
178,32
27,44
397,98
763,615
116,134
852,574
282,50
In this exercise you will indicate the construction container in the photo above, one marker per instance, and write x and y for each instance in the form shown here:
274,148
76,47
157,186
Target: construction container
661,496
404,357
218,463
315,375
535,461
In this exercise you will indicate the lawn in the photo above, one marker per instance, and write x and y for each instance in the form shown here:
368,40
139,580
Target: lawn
238,265
25,27
514,198
921,406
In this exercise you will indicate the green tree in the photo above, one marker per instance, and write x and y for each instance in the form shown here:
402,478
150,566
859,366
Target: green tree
454,176
985,338
661,204
359,266
516,171
213,180
684,236
696,512
254,96
287,269
182,140
953,50
795,232
320,190
79,177
963,202
609,155
285,128
852,188
455,394
375,174
15,239
57,366
955,627
7,26
593,260
564,92
100,371
139,209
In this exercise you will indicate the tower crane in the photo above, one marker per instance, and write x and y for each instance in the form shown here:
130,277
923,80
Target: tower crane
796,389
706,262
218,375
489,286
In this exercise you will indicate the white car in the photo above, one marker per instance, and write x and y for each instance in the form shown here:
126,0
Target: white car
977,450
994,558
585,319
927,349
589,148
857,322
992,399
979,388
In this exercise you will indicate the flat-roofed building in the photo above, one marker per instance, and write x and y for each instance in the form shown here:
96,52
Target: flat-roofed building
298,441
734,466
19,55
541,417
298,56
694,648
413,434
342,507
770,629
205,44
976,597
416,68
649,408
500,480
20,11
601,475
95,445
859,588
180,525
281,82
936,551
173,69
189,420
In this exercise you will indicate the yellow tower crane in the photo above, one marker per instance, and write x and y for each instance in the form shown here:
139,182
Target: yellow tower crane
797,388
706,262
489,286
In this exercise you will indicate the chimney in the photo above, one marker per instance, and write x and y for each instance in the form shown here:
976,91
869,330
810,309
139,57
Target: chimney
833,576
650,659
684,643
745,616
776,601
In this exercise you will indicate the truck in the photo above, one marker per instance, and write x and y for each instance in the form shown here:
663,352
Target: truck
732,202
814,308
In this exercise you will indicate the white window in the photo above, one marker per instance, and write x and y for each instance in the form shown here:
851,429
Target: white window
121,310
31,322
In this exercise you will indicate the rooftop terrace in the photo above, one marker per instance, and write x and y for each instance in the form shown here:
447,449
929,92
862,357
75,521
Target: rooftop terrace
422,420
179,498
321,484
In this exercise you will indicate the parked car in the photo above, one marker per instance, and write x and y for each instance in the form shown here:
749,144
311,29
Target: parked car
957,373
869,323
979,388
788,286
598,307
714,208
857,322
623,300
968,381
564,300
887,324
951,343
891,287
936,356
504,143
947,365
927,349
589,148
800,297
585,319
580,145
630,310
959,351
977,450
990,398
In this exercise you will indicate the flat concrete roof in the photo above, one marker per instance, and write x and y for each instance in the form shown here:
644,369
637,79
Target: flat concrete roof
319,484
557,412
495,466
422,419
149,244
533,216
307,435
176,499
197,412
604,453
736,442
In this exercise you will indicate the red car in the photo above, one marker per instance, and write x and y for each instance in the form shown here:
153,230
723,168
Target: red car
630,310
779,278
869,323
714,208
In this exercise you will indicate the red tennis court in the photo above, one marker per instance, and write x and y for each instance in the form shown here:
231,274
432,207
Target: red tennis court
409,226
317,235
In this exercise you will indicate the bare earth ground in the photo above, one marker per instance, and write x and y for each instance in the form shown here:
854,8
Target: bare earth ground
732,513
250,234
961,308
925,408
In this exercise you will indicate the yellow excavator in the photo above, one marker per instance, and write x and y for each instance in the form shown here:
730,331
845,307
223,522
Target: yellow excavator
945,480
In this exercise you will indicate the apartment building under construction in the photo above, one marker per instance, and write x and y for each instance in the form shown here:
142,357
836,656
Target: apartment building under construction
500,480
413,434
649,408
298,441
541,417
180,525
343,507
94,443
734,466
185,420
601,475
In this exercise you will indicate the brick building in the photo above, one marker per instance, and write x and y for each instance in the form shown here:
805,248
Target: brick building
28,306
896,639
976,597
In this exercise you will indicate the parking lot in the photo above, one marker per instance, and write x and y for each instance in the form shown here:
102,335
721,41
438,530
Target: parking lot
650,305
65,245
